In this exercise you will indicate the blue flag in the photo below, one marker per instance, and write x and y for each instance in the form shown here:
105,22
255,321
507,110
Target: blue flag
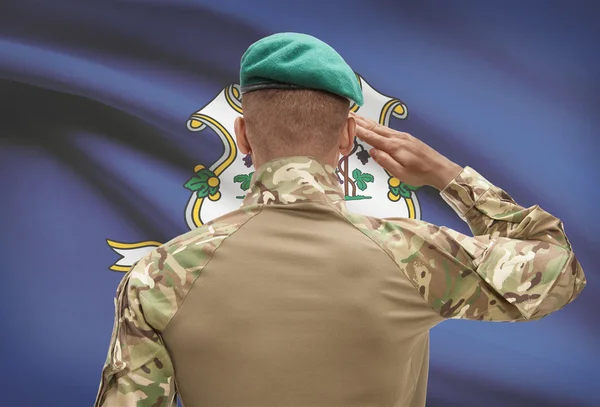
116,135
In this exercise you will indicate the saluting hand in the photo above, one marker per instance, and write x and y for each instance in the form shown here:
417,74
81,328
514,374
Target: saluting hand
405,157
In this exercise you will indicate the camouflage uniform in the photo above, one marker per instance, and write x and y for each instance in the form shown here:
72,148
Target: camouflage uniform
293,300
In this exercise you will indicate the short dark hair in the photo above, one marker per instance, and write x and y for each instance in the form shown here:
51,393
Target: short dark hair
293,122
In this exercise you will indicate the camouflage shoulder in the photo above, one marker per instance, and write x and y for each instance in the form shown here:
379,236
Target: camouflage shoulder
396,236
400,236
163,277
419,248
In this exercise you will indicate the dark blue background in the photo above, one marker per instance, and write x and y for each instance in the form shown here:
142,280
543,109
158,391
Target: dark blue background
93,145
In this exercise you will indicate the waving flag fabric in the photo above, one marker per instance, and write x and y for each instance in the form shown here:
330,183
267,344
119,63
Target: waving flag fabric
116,135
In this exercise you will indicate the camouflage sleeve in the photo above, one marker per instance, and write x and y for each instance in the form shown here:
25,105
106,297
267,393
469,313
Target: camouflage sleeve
518,266
489,210
138,370
523,266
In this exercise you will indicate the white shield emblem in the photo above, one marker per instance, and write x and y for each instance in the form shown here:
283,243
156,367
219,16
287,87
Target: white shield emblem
220,188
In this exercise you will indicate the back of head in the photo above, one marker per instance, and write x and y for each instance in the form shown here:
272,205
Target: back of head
296,92
289,122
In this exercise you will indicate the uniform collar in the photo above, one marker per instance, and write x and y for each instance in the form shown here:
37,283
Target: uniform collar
295,179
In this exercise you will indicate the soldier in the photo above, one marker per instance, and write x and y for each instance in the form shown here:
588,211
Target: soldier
292,299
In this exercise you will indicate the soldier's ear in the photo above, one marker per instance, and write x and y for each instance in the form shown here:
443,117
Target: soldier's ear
241,137
347,137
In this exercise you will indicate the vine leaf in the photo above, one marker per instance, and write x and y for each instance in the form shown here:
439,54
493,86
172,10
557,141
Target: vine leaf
361,178
244,180
404,190
199,183
194,184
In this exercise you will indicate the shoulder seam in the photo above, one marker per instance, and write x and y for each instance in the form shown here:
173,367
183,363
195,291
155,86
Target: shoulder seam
393,260
206,264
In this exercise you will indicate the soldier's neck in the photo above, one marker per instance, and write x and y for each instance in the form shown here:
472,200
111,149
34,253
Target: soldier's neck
325,159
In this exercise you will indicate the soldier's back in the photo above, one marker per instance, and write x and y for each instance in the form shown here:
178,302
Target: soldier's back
295,305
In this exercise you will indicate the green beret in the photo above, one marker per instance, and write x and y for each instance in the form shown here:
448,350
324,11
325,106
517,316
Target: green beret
297,61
